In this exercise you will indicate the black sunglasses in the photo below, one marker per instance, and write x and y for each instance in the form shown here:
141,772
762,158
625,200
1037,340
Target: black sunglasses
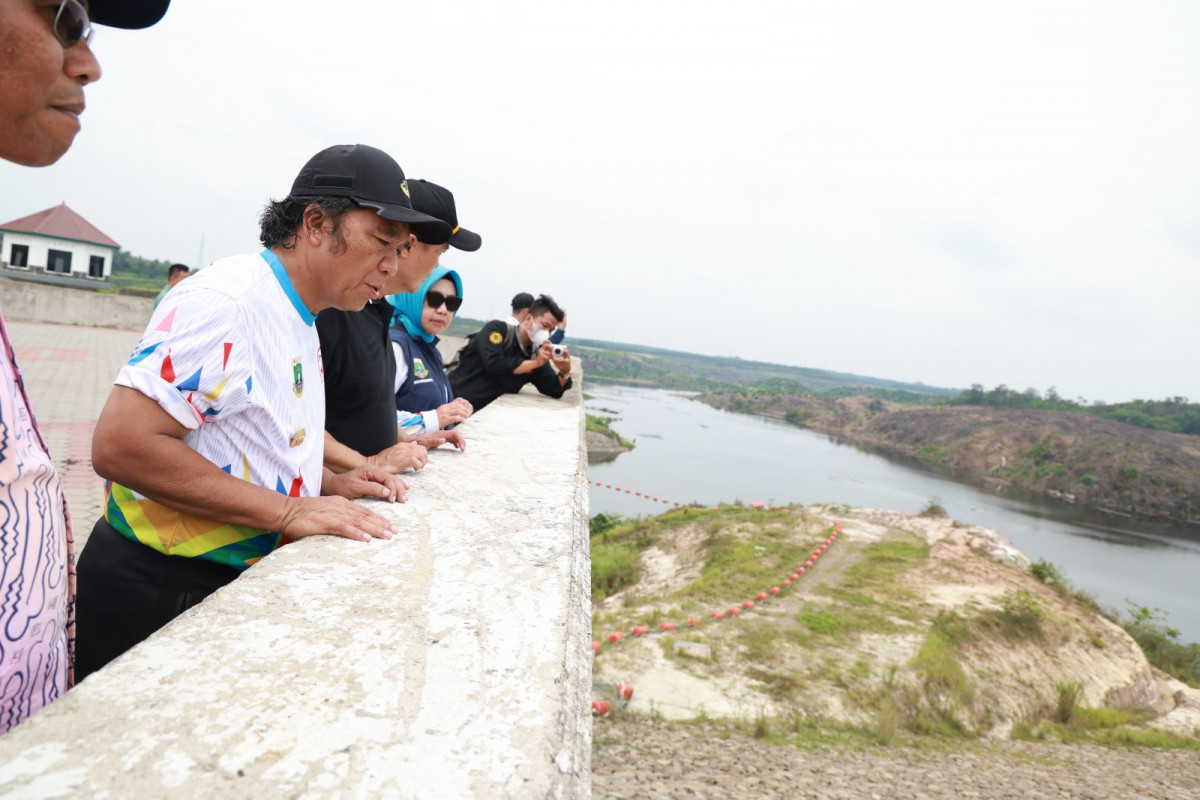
435,299
72,25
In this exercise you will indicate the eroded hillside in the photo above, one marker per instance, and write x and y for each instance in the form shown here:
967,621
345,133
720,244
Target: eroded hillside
904,624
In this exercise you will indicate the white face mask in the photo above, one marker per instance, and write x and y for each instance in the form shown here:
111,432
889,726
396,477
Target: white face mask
538,336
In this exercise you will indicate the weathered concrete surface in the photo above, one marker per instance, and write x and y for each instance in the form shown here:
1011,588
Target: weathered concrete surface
28,301
451,661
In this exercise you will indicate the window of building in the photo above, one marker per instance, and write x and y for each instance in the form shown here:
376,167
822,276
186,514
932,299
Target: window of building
96,267
58,261
18,256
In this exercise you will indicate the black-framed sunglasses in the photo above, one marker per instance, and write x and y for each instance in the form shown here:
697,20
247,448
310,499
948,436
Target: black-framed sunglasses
435,299
72,24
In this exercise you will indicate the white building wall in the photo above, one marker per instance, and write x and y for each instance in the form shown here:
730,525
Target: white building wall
39,247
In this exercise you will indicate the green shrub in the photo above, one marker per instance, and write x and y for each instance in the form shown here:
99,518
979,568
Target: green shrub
1046,572
1159,642
602,522
1040,452
1020,615
1087,480
1068,701
614,566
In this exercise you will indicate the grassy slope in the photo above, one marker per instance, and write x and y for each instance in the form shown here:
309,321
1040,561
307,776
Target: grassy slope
855,647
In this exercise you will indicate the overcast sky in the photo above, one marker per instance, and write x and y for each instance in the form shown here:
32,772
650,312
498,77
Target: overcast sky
952,193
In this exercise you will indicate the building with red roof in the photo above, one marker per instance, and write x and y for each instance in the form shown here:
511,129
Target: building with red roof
56,246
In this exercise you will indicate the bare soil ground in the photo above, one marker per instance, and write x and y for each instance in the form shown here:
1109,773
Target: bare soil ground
636,757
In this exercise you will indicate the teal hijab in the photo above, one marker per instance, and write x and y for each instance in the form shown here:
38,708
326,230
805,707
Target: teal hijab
409,305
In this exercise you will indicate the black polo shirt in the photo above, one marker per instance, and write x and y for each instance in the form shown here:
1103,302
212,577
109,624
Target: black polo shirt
484,367
360,376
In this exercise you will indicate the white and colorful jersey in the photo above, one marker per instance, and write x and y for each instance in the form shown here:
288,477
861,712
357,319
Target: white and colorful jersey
231,353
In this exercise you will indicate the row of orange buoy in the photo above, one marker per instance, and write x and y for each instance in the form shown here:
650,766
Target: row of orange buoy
639,631
757,505
624,690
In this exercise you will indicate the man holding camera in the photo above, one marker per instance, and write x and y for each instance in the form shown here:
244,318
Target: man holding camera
501,358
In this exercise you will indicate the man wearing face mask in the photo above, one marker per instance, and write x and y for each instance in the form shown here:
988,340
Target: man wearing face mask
502,358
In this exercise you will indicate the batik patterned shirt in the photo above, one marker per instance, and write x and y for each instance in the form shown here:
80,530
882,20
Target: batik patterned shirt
37,559
231,354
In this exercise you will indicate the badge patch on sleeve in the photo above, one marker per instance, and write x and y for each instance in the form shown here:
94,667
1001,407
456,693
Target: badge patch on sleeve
495,337
298,376
419,369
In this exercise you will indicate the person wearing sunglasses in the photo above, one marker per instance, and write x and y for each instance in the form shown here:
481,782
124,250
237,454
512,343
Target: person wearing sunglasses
45,63
360,368
424,399
501,359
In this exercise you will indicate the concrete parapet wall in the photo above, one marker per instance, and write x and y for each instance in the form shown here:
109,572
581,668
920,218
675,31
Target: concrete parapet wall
29,301
451,661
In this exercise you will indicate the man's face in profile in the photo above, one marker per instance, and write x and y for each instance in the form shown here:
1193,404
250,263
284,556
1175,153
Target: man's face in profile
41,83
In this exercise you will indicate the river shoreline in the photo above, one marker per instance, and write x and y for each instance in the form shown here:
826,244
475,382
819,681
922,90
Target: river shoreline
1103,466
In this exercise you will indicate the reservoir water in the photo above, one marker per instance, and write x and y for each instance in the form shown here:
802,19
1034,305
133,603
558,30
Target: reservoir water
689,452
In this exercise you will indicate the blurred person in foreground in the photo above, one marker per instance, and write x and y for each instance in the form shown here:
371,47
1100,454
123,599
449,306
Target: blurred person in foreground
211,442
45,63
501,358
360,368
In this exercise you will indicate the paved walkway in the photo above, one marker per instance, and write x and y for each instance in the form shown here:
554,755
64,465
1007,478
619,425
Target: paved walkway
68,373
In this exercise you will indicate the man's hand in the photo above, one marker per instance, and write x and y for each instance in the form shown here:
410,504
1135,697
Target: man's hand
544,353
563,363
437,438
457,410
365,482
337,516
400,457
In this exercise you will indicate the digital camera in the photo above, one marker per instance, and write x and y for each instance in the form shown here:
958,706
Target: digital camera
557,350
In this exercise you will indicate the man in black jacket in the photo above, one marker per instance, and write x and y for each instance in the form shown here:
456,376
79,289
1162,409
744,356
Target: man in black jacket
501,358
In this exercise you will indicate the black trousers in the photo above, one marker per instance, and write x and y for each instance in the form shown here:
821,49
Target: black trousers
126,591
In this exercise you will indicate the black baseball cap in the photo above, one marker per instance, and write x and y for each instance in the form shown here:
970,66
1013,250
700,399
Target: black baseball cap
372,179
438,201
522,300
127,14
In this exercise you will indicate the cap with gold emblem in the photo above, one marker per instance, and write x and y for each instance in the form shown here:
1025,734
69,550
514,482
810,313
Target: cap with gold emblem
372,179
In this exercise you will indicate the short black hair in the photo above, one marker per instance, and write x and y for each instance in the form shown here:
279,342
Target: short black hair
546,303
178,268
281,219
522,300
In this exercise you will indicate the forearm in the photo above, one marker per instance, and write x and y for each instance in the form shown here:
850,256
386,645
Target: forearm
526,366
339,457
167,471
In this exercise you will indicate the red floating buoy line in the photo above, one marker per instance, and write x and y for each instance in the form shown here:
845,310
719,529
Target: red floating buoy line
624,691
757,505
734,609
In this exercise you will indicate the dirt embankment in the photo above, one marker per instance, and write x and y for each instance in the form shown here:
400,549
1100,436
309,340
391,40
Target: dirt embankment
906,626
1098,463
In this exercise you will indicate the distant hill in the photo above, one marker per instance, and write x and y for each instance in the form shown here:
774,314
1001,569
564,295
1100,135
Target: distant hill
639,365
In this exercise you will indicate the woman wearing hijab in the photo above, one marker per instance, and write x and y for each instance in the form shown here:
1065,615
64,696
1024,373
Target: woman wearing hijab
424,399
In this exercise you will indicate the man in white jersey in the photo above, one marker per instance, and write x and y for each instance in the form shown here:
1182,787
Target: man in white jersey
211,440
